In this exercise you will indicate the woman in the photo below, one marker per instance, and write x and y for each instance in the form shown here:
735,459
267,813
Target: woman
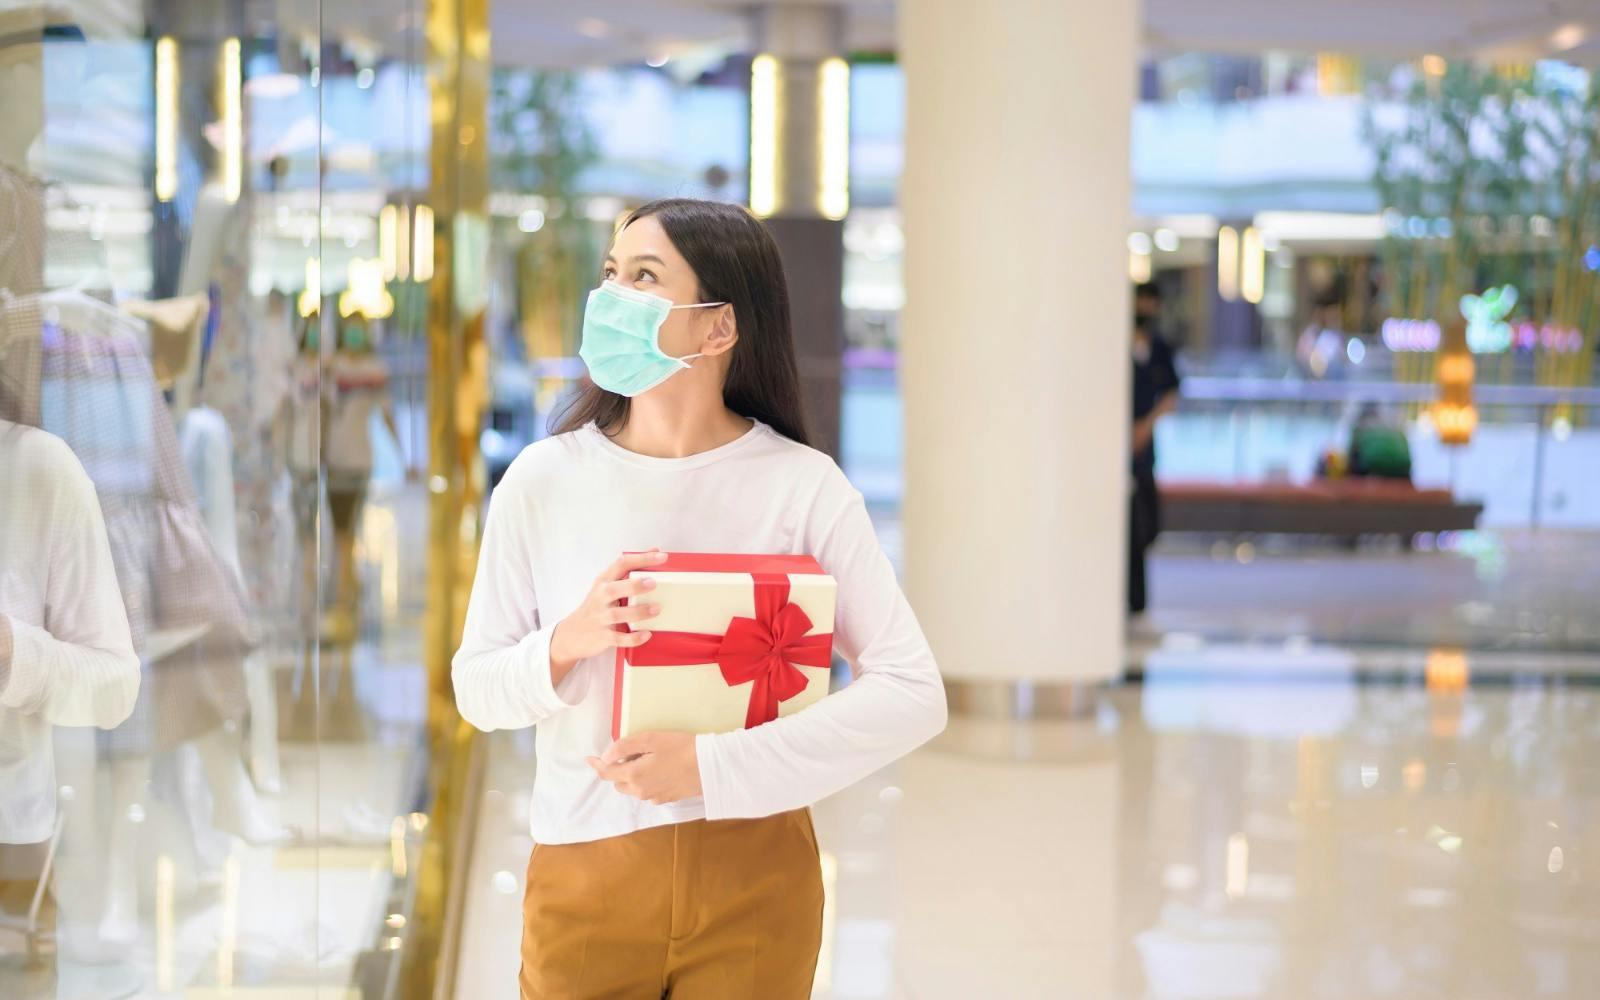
301,419
358,384
669,864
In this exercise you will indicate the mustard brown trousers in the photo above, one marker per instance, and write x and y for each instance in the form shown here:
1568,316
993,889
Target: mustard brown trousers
721,910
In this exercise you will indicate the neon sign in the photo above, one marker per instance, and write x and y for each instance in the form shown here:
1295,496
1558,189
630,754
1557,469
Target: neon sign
1487,329
1560,339
1410,335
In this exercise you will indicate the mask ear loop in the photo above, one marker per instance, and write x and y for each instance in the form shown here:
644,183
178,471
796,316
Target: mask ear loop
684,361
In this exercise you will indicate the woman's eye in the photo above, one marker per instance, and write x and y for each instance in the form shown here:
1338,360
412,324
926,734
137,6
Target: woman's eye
646,275
607,273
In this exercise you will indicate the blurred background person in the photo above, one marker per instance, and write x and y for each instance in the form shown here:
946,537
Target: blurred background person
1147,306
1378,446
1155,394
300,420
1320,348
356,387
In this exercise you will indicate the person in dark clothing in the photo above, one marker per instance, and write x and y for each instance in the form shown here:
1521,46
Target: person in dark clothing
1155,394
1378,447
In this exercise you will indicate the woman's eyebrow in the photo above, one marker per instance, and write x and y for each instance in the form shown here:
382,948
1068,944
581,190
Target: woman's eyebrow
637,258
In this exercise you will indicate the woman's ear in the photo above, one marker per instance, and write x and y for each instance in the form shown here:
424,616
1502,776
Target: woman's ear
724,332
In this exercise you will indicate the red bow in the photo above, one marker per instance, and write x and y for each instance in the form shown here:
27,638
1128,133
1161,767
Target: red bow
763,649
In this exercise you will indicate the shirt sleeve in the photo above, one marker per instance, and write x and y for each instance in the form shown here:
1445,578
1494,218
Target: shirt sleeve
895,703
79,667
501,673
1163,368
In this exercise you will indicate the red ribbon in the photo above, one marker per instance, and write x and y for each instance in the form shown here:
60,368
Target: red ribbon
763,649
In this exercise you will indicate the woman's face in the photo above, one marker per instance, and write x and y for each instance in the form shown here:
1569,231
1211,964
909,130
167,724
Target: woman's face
643,258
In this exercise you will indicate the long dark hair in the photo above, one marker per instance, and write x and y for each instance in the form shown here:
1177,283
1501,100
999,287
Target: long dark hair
737,262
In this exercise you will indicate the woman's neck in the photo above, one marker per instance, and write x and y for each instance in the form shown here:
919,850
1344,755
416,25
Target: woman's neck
679,425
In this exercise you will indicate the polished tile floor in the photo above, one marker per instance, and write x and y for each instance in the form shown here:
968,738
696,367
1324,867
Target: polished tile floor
1303,799
1193,839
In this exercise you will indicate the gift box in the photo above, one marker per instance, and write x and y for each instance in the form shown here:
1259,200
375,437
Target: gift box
740,640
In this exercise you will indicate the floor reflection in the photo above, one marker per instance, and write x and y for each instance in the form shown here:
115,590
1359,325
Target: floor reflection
1194,840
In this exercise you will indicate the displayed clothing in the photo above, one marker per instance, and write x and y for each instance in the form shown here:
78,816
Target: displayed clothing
34,257
305,415
730,909
243,383
22,232
208,455
276,357
72,660
358,387
176,327
568,507
96,391
304,448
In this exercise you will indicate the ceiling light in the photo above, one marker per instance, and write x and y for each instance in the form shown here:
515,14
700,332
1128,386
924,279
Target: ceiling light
1568,36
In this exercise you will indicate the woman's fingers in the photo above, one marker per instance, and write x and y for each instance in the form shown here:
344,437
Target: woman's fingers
630,613
619,589
630,561
620,774
628,640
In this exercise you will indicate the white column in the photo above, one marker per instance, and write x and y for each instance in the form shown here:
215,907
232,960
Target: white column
1014,341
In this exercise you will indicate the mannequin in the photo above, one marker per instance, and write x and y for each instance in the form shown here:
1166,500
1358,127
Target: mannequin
179,325
38,54
22,81
219,224
21,124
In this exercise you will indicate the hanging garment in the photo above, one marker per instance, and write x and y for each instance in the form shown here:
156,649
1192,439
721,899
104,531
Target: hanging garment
96,391
208,455
72,661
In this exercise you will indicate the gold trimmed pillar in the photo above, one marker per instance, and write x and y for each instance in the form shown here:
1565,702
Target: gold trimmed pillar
455,221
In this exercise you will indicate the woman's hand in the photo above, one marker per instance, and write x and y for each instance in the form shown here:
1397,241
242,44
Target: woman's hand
655,767
598,623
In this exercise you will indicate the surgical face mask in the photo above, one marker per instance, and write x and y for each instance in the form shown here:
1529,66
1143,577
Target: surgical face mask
621,339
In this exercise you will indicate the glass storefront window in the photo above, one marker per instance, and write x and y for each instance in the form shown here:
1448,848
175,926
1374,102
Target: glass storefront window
213,755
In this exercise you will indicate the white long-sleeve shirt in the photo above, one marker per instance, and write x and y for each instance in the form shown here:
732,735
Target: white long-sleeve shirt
568,507
72,660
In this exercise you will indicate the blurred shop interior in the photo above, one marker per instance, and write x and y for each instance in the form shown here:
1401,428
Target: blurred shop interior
297,280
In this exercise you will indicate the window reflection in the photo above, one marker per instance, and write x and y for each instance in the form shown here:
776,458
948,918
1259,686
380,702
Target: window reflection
209,702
